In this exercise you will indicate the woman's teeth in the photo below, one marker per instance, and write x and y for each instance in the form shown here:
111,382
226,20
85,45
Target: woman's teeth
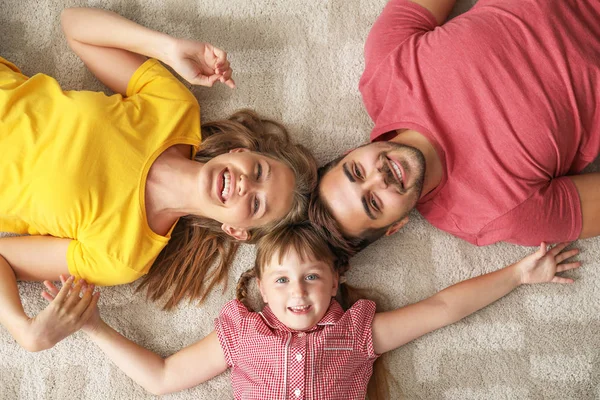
226,184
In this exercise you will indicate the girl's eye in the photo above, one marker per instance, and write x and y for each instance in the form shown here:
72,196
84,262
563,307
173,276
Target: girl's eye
357,172
312,277
256,205
281,280
258,172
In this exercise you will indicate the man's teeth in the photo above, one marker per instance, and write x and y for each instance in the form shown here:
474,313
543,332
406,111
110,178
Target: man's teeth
397,169
225,183
299,308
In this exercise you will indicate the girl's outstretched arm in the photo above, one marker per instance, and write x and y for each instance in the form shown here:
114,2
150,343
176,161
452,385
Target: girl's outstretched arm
113,48
394,328
189,367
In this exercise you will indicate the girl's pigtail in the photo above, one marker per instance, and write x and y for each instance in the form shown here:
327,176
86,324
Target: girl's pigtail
241,292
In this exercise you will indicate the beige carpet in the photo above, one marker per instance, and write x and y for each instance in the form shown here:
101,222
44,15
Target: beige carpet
300,61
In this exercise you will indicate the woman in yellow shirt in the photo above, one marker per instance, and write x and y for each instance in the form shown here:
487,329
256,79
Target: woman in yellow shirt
113,188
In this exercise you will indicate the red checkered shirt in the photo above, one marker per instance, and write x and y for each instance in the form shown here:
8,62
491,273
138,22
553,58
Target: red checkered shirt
268,360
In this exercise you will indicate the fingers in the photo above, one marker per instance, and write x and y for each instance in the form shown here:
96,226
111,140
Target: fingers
558,248
567,254
84,301
91,307
567,267
74,297
560,279
64,291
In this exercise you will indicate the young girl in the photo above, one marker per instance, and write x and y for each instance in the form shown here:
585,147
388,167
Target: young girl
302,344
100,182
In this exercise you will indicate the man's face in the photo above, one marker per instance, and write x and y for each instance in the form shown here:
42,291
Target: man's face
374,186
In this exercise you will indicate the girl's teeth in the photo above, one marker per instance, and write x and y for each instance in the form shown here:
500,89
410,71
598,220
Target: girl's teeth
225,183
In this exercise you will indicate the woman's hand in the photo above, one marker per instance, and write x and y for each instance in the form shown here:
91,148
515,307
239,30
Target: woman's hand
200,63
543,265
71,308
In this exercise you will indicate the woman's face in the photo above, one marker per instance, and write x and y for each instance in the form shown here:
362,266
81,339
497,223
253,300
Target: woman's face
245,189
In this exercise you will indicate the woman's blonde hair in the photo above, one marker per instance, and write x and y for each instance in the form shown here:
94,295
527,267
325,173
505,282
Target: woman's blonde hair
184,265
303,239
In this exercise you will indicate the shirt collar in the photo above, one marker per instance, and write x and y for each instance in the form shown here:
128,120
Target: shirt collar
331,317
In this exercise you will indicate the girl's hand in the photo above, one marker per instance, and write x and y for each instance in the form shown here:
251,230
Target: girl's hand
543,265
200,63
71,308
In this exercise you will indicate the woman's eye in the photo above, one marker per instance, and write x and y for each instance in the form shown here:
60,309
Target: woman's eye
281,280
256,205
312,277
258,172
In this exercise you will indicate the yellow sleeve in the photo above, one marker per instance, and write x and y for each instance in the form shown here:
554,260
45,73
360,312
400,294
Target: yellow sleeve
152,78
98,267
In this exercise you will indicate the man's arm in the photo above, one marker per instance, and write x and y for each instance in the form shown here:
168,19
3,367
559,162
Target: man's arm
588,187
439,8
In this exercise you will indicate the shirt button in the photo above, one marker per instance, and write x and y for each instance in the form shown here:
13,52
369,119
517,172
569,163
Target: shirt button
298,357
297,392
301,334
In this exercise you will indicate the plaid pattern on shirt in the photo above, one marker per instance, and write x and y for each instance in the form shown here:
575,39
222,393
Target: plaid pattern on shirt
269,361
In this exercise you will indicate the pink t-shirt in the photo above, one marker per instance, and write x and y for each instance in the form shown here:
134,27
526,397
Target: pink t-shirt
509,95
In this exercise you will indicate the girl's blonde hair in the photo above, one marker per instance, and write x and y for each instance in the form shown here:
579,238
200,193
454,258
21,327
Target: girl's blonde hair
304,240
184,265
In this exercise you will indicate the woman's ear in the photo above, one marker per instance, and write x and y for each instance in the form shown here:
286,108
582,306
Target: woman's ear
239,150
236,233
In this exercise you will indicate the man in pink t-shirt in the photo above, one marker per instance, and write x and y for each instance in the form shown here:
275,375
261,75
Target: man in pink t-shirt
482,123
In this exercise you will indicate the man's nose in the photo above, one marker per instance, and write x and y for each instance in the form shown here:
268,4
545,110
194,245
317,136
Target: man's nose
376,180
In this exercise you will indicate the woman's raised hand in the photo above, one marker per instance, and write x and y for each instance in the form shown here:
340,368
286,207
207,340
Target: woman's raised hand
543,265
200,63
71,308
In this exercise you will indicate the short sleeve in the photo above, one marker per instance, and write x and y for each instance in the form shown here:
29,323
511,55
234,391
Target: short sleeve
153,79
228,327
97,267
399,20
552,214
362,314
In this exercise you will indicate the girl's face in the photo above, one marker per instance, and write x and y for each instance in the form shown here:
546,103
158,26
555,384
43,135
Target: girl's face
298,292
245,189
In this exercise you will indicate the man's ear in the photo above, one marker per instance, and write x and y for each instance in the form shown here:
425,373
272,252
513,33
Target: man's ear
262,291
236,233
239,150
396,226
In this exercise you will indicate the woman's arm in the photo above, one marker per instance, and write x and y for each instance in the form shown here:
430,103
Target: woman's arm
113,48
394,328
34,258
189,367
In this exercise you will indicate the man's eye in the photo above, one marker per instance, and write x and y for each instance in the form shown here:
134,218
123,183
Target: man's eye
258,172
281,280
357,172
374,203
312,277
256,205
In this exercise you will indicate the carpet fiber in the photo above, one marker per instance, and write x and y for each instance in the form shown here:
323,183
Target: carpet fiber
299,62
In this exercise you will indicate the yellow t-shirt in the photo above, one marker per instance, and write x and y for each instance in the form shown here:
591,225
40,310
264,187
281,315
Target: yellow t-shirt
74,165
